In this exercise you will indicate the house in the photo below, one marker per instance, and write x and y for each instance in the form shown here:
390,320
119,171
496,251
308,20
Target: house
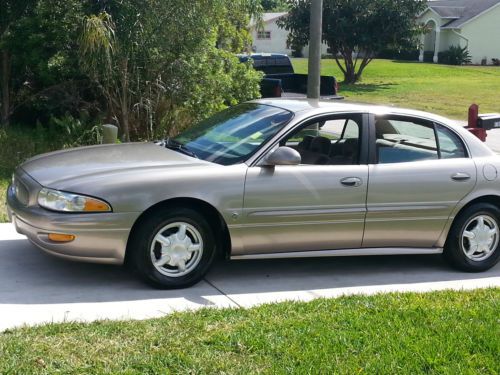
272,39
474,24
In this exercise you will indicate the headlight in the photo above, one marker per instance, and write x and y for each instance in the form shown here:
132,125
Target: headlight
60,201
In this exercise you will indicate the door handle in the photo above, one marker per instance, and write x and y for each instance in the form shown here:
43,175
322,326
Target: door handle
460,176
351,181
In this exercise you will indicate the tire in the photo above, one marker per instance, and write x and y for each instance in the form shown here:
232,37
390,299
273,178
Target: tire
471,247
146,246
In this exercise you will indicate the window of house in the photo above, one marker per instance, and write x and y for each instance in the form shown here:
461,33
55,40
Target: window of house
263,35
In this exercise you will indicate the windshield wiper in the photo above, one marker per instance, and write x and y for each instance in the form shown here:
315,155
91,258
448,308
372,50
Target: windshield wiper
177,146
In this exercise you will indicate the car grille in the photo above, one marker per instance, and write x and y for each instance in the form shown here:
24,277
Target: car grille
20,191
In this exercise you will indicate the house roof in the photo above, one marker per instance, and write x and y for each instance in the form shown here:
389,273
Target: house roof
459,12
267,17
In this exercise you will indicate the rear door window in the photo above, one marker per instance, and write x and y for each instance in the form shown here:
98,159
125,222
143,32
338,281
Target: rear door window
450,145
401,140
404,140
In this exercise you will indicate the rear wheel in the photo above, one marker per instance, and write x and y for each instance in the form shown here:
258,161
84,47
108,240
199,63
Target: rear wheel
474,239
172,249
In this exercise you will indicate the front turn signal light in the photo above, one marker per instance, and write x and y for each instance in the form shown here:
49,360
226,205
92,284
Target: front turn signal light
95,205
58,237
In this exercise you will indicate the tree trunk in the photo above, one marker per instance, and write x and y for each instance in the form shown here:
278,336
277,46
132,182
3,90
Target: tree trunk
124,102
5,92
350,68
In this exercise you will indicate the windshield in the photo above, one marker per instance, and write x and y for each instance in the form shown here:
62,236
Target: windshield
233,135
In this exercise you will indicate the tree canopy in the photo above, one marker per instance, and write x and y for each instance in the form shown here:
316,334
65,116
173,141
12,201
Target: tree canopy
274,5
149,66
356,30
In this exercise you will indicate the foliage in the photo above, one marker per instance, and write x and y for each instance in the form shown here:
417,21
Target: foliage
455,55
401,54
4,183
153,59
43,77
18,143
122,61
11,12
274,5
356,31
447,332
429,56
442,89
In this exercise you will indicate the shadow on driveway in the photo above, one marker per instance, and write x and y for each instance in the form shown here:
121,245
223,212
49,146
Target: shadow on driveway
28,276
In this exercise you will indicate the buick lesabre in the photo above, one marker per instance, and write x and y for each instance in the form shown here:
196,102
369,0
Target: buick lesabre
268,179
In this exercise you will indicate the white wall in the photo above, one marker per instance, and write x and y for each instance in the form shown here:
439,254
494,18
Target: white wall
484,36
277,43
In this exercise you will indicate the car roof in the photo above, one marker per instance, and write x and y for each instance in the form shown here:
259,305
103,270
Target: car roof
329,106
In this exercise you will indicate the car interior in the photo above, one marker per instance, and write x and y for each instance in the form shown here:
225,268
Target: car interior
402,141
333,142
398,140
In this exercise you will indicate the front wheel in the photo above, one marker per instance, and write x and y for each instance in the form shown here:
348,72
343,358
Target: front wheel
172,249
474,239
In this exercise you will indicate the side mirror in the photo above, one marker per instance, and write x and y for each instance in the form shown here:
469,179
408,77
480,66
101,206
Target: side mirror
282,156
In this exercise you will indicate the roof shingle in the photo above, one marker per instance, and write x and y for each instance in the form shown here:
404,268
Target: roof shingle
460,11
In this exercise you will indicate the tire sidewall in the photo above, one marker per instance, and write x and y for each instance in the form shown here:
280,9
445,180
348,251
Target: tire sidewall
145,234
453,249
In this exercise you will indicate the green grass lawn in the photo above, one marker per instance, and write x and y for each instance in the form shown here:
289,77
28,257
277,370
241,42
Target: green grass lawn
444,332
441,89
4,182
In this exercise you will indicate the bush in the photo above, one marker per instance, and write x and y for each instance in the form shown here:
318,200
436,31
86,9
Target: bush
297,50
18,143
429,56
405,55
455,55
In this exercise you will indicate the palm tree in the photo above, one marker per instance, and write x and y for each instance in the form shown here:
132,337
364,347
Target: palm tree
107,64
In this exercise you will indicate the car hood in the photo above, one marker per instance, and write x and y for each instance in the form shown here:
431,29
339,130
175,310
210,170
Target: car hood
56,169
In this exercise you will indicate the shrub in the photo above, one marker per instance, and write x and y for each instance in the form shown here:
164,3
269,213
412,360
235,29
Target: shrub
393,54
18,143
455,55
428,56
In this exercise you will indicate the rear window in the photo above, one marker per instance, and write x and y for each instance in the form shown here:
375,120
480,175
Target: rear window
270,64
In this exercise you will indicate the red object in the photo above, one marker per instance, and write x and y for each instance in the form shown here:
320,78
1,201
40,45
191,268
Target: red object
478,132
473,123
277,91
473,115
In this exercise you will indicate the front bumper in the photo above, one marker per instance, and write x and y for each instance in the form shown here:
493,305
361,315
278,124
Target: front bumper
99,237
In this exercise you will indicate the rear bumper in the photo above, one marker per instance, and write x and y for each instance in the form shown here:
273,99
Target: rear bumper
99,238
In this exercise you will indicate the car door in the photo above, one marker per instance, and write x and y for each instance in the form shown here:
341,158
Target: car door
420,171
317,205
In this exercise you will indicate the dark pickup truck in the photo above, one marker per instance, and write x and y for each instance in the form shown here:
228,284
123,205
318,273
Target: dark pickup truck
281,80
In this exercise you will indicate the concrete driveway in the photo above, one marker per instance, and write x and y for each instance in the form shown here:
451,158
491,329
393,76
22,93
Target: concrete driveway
36,288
